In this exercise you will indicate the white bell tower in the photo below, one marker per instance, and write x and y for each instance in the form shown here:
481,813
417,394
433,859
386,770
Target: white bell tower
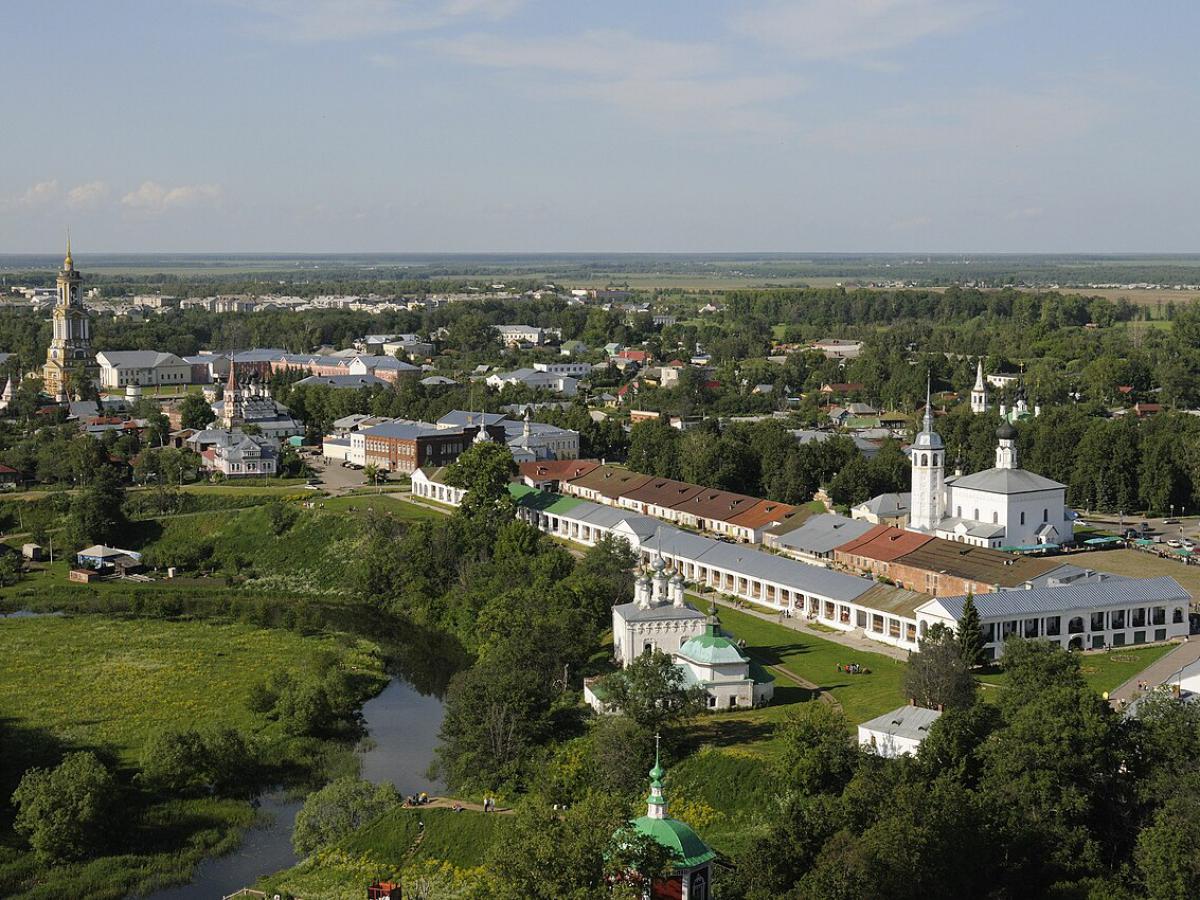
979,393
928,474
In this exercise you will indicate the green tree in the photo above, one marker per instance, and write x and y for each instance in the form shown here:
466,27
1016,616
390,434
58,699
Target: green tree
97,512
191,762
584,852
937,674
652,691
195,412
340,808
485,471
67,812
970,635
816,753
1166,850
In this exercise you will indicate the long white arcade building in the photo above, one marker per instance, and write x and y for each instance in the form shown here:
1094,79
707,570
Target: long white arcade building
1090,611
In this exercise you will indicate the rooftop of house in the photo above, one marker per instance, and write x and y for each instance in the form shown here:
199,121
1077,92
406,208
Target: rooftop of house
911,722
822,533
885,543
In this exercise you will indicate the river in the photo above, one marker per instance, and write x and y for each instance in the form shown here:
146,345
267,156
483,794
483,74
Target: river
402,725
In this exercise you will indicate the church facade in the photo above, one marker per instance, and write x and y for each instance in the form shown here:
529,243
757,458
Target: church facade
71,344
1004,506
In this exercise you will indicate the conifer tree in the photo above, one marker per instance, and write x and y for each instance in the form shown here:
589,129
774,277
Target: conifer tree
970,635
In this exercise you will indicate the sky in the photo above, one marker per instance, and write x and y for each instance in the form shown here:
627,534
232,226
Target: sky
562,125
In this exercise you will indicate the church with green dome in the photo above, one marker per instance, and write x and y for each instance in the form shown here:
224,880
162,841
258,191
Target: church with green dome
692,873
730,678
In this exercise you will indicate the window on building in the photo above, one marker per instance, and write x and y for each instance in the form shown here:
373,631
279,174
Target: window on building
1177,616
1045,515
1075,626
1022,518
976,514
1159,615
1053,624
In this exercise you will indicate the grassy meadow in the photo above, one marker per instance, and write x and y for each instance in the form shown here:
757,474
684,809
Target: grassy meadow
110,685
113,683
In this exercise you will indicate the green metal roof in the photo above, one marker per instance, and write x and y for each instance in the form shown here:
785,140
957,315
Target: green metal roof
711,648
677,837
519,490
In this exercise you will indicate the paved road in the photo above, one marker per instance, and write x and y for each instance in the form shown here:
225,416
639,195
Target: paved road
1157,672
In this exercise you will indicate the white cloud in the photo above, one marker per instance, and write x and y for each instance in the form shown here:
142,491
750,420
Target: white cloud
849,29
152,197
383,60
988,121
42,193
667,83
343,20
87,196
606,53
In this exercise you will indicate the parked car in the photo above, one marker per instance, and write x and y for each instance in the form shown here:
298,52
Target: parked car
1174,543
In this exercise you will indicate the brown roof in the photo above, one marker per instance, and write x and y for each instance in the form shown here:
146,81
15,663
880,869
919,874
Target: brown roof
885,543
557,469
763,513
664,492
980,564
888,598
611,481
714,504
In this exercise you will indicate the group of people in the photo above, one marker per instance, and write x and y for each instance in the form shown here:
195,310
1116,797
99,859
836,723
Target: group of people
416,799
489,804
853,669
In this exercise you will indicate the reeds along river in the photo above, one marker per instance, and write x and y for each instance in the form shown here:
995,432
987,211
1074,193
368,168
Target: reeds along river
402,726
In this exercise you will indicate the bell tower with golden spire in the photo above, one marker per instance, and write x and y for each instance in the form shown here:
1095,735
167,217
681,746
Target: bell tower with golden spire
71,344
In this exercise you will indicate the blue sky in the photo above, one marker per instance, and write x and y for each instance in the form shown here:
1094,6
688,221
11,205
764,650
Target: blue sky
522,125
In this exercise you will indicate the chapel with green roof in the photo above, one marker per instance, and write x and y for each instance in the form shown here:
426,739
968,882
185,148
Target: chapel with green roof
692,873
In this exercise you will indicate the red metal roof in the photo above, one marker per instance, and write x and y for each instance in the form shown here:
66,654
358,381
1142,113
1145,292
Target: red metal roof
885,543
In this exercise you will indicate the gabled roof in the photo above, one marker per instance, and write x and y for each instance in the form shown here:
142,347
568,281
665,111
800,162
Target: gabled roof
610,481
977,563
823,532
1065,598
138,359
714,504
764,512
885,543
911,722
664,492
1006,481
557,469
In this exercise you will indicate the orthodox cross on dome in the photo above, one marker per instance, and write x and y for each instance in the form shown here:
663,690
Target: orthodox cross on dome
656,803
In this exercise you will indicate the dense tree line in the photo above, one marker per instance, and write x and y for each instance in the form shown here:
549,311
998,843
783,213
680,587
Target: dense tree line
1046,792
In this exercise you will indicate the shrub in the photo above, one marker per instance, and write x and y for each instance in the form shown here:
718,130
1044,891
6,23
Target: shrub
339,808
65,812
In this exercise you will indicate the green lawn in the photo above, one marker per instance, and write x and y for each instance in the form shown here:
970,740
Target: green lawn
361,504
94,682
381,850
1104,670
862,696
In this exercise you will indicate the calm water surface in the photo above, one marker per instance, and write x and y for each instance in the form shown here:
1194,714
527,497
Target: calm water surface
402,725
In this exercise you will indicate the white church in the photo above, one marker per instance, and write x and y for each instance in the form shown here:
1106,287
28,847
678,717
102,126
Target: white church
659,618
1004,506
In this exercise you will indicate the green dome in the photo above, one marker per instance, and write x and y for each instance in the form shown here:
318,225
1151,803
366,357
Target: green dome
711,648
677,837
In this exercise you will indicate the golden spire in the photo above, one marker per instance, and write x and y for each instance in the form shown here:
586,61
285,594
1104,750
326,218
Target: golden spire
68,263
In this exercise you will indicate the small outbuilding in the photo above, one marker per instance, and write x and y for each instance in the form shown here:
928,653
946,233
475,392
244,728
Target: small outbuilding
899,732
